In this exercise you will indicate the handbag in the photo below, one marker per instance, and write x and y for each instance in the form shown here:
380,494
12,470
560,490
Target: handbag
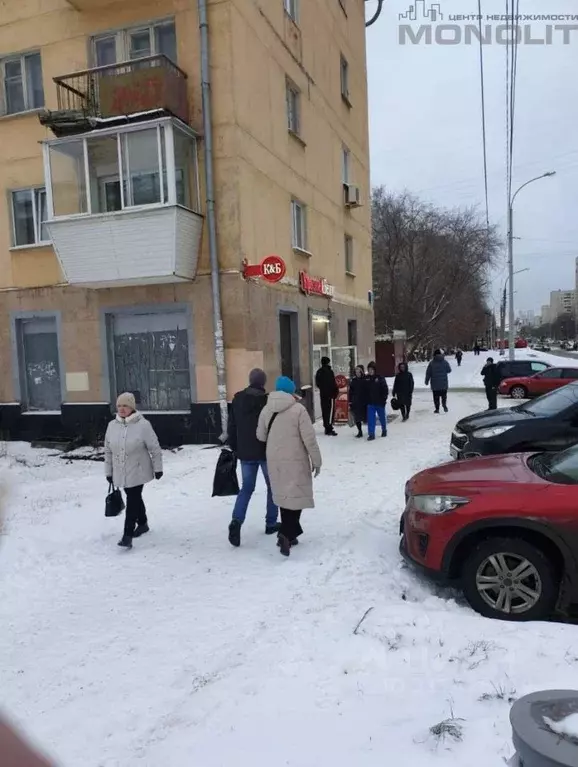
225,482
114,504
395,403
351,418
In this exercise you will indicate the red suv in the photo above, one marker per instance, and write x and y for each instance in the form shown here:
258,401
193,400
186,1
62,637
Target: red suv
523,387
504,528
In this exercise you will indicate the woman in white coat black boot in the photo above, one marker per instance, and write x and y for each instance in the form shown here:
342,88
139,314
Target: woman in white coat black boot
133,457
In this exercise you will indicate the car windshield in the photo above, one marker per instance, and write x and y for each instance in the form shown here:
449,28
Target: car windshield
558,467
553,403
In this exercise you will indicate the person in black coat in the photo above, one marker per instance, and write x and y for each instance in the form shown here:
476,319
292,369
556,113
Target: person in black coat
377,394
403,389
459,355
328,391
242,439
492,379
358,398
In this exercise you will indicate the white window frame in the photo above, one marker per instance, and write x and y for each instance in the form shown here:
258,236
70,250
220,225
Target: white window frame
292,9
298,225
122,39
293,98
21,57
344,78
348,252
36,193
345,165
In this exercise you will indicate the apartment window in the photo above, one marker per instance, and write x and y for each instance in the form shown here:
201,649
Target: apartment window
150,358
293,108
22,83
292,9
136,43
344,66
299,225
345,164
39,363
29,216
348,243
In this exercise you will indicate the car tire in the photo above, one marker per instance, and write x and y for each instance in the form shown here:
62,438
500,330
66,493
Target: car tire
519,392
542,580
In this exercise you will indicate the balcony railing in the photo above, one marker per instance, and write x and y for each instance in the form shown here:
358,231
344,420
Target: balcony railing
131,87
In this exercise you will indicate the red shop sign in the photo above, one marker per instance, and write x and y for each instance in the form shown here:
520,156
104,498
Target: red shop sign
315,286
271,269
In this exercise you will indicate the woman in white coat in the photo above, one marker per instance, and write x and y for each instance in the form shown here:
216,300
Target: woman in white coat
293,455
133,457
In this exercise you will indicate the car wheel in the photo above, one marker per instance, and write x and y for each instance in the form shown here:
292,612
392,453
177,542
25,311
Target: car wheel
519,392
510,579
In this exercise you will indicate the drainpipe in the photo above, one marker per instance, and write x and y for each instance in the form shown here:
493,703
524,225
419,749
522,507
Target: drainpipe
211,219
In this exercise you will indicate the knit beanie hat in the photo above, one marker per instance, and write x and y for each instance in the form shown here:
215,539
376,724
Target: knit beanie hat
285,384
127,400
257,378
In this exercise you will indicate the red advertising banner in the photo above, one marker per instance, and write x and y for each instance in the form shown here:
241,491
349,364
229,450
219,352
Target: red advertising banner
341,414
315,286
271,269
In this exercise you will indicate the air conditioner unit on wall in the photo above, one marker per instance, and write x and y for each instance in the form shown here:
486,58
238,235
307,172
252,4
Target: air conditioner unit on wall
352,196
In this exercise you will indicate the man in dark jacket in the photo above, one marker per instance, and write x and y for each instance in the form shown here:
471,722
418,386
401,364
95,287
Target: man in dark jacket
403,390
459,355
437,376
328,391
377,394
492,379
242,439
358,398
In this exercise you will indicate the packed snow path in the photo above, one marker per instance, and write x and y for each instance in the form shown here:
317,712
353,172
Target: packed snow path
186,652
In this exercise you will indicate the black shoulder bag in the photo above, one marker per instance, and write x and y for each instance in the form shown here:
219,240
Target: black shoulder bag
114,503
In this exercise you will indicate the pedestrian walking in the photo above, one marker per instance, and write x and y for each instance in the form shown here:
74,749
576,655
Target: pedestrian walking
293,455
244,415
492,379
436,375
477,350
459,356
358,398
133,458
377,394
403,390
328,391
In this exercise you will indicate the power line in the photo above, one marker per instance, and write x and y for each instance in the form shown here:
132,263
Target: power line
483,97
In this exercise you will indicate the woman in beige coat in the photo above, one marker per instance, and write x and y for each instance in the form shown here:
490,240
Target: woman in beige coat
132,458
293,455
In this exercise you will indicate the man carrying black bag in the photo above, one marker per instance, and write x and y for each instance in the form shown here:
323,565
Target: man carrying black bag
242,439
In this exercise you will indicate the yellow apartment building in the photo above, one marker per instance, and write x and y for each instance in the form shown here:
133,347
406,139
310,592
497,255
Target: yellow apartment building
185,197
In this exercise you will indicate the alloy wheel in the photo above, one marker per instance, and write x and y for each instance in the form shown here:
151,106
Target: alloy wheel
518,392
509,583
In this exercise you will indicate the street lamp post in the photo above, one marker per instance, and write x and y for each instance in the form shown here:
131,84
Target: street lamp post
511,333
503,309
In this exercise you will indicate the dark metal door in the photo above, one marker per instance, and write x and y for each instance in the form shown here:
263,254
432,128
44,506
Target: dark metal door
41,368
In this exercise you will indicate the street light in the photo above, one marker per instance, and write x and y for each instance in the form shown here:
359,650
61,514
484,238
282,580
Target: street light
511,334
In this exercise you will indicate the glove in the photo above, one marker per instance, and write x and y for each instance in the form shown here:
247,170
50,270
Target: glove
158,474
109,480
316,471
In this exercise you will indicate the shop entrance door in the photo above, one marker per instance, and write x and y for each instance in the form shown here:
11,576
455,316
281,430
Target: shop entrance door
289,345
321,337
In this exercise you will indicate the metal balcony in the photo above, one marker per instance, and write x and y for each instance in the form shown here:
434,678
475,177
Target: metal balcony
132,88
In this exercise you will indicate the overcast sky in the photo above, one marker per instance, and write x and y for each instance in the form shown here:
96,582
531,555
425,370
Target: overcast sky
426,137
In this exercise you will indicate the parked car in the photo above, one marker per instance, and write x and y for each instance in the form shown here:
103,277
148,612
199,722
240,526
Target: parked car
524,387
520,343
503,528
547,423
514,368
543,348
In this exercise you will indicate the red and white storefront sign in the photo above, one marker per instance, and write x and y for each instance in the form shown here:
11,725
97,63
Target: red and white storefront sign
315,286
271,269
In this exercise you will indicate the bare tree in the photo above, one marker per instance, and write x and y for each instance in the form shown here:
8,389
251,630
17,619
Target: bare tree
430,269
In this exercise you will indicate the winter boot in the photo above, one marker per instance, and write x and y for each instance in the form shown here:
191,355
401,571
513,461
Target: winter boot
293,543
125,542
332,433
272,529
359,435
445,408
384,434
284,545
235,533
371,438
140,530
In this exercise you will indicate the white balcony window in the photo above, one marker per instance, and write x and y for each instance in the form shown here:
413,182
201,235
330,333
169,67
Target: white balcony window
132,196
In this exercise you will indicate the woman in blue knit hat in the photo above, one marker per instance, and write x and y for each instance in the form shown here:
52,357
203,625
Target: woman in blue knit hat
293,456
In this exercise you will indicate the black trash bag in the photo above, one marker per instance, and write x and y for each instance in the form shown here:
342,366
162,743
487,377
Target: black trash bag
394,404
114,503
225,482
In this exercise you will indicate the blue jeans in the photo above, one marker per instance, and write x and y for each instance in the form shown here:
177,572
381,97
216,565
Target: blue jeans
249,471
373,413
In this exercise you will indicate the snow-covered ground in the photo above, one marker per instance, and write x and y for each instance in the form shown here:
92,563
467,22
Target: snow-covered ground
187,652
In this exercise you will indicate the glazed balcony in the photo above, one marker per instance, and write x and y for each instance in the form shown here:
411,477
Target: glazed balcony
141,86
123,204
